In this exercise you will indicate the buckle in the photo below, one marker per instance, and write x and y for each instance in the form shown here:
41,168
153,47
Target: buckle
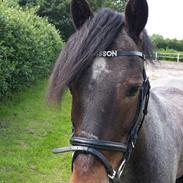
113,175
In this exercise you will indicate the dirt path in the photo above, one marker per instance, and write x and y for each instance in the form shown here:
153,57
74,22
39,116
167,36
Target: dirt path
165,70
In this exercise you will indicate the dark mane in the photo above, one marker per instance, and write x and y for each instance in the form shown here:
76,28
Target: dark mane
97,34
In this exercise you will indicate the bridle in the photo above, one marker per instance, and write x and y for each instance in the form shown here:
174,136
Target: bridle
92,146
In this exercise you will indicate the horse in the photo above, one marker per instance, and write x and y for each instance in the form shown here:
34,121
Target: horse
123,129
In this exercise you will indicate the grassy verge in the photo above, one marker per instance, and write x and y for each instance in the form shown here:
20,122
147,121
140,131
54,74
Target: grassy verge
28,132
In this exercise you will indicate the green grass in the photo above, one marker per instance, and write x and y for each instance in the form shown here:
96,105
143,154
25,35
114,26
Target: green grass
29,130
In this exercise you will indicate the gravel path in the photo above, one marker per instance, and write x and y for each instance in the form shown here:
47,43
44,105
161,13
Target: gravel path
165,70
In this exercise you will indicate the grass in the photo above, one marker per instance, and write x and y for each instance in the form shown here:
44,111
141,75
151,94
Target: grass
29,130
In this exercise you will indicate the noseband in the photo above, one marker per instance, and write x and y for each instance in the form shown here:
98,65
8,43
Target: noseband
92,146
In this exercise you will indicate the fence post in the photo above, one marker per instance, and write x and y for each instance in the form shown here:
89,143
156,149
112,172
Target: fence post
178,57
156,56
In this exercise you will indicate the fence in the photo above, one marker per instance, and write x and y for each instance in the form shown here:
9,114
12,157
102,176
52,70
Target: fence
178,57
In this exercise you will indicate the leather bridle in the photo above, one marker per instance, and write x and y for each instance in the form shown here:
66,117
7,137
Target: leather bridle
92,146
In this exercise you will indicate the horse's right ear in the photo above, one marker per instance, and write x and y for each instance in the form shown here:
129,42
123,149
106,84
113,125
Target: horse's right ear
80,11
136,15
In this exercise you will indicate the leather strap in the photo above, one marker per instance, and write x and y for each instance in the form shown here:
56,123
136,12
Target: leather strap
99,144
131,53
88,150
119,53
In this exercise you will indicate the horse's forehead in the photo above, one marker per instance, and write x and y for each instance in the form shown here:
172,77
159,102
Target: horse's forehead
115,70
100,69
105,69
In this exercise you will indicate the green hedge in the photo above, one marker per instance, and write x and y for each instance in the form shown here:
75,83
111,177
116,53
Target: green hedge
29,46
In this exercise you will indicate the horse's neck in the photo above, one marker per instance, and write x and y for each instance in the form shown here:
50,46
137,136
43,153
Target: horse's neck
159,145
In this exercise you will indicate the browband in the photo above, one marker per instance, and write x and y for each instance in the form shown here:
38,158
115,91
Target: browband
131,53
119,53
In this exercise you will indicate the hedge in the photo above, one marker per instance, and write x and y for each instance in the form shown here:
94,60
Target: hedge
29,46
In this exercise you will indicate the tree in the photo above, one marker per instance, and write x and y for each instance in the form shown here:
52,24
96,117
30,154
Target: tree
158,41
58,11
117,5
58,14
161,43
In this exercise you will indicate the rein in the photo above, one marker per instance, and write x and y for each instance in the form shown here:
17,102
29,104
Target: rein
92,146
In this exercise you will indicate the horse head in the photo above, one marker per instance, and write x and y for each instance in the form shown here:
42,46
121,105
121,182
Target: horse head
105,89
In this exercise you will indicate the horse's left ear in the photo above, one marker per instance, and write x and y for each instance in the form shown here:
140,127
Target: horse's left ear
136,15
80,11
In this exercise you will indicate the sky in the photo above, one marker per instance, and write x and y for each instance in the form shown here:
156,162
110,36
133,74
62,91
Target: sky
166,18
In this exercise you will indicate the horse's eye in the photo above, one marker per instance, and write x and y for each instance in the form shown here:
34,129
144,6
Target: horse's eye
132,90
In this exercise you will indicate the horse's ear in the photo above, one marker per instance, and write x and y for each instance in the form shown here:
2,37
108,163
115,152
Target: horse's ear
136,15
80,11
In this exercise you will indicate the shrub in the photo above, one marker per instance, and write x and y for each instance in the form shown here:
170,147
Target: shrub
28,47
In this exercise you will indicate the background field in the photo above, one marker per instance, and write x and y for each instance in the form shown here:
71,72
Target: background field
28,132
165,69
